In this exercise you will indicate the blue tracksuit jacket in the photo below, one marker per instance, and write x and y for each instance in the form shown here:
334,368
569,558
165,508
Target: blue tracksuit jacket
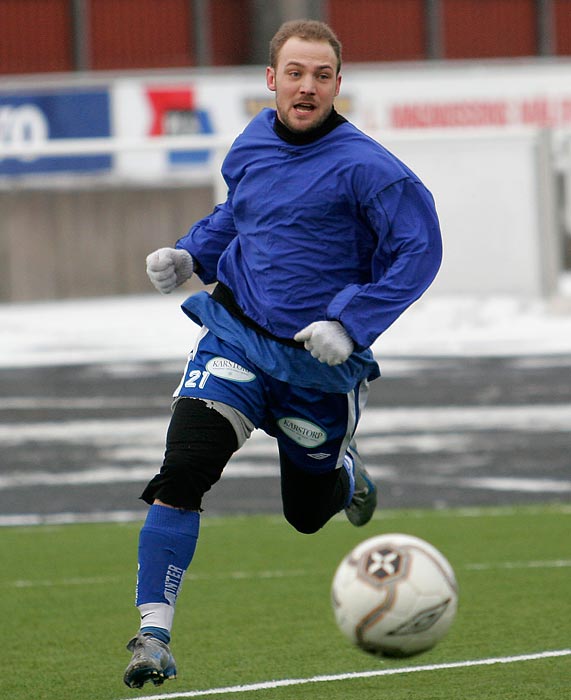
336,229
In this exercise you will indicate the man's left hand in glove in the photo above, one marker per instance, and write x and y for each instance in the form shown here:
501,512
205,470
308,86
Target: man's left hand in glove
327,341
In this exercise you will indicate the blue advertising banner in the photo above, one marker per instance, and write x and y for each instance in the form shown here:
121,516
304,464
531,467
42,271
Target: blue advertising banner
37,117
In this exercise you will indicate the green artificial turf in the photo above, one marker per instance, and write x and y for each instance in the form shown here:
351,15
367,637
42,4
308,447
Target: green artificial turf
255,608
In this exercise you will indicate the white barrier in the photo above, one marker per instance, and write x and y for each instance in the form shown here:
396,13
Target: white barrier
98,146
494,191
132,166
495,194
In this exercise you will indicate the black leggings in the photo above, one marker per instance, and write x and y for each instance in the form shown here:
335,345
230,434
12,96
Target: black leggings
199,444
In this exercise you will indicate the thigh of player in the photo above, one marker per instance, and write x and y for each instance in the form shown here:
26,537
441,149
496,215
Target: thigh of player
219,371
314,428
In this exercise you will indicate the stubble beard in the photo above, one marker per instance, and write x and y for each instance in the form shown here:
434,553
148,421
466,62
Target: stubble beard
284,119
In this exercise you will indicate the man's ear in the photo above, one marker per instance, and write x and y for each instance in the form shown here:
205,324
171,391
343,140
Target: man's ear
338,88
271,78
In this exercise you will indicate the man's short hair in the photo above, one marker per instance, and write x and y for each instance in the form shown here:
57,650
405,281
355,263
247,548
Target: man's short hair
308,29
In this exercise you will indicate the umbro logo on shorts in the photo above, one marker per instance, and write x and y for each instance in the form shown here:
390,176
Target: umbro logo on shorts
319,455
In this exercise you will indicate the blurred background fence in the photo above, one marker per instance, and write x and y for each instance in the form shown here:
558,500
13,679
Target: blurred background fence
115,116
41,36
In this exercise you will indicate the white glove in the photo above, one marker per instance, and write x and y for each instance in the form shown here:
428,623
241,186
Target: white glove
168,268
327,341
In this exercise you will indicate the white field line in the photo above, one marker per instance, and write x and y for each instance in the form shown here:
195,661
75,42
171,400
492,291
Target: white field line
270,685
554,564
269,574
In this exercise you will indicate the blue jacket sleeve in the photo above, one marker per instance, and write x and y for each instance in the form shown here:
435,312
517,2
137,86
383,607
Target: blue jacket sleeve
208,239
406,260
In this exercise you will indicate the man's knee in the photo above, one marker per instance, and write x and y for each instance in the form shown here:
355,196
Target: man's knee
304,522
311,500
200,441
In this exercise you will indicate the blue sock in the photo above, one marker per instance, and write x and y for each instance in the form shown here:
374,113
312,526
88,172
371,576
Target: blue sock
167,542
158,633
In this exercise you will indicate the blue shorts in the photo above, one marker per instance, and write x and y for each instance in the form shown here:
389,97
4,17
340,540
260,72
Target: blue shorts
313,428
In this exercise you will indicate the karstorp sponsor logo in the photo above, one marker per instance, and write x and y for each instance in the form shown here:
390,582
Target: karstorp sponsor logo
302,431
227,369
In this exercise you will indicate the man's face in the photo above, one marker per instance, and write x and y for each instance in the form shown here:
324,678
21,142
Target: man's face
305,81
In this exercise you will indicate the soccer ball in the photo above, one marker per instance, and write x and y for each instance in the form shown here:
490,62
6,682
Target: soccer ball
394,595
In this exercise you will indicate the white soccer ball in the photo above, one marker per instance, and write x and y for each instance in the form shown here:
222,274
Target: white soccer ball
394,595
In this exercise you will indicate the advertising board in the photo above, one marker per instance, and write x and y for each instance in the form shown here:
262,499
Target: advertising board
378,98
35,117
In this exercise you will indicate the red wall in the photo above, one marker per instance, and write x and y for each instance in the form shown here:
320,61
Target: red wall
489,28
231,21
562,11
373,30
35,36
139,34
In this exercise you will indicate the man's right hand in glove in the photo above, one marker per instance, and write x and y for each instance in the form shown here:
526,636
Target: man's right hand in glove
168,268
